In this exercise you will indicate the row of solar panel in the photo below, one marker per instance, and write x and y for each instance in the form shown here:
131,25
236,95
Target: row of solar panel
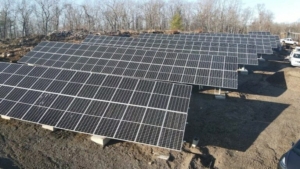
97,48
183,45
274,40
251,33
75,105
245,56
230,35
263,46
96,104
223,35
206,77
260,41
116,52
146,63
12,74
113,128
259,33
217,71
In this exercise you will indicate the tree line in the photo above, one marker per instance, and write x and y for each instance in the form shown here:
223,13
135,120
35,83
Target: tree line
20,18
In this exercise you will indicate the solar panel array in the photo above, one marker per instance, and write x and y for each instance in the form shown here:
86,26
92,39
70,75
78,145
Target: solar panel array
113,86
135,110
205,70
263,46
259,33
247,54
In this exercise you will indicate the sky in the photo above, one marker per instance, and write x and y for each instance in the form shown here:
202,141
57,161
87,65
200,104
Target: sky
285,11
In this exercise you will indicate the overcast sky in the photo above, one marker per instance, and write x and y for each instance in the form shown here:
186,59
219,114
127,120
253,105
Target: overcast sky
287,11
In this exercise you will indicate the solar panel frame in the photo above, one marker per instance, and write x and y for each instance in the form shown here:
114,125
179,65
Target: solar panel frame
125,66
55,108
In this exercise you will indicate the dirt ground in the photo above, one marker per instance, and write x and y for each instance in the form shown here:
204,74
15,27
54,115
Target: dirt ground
252,128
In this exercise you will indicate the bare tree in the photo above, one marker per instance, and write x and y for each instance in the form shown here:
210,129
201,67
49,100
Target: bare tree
25,17
57,11
116,15
246,17
72,17
5,12
264,20
25,10
88,17
45,11
154,14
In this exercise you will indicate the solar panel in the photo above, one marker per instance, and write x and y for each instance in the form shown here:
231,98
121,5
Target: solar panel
142,111
275,39
162,66
263,46
264,37
206,48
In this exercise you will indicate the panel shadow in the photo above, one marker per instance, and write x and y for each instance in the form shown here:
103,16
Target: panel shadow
7,163
232,123
263,84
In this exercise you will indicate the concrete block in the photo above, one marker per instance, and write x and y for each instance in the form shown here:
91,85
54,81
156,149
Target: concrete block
261,59
163,157
200,87
220,96
100,140
195,142
51,128
5,117
243,71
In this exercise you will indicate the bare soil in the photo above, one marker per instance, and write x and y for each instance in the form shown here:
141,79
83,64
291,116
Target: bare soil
252,128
